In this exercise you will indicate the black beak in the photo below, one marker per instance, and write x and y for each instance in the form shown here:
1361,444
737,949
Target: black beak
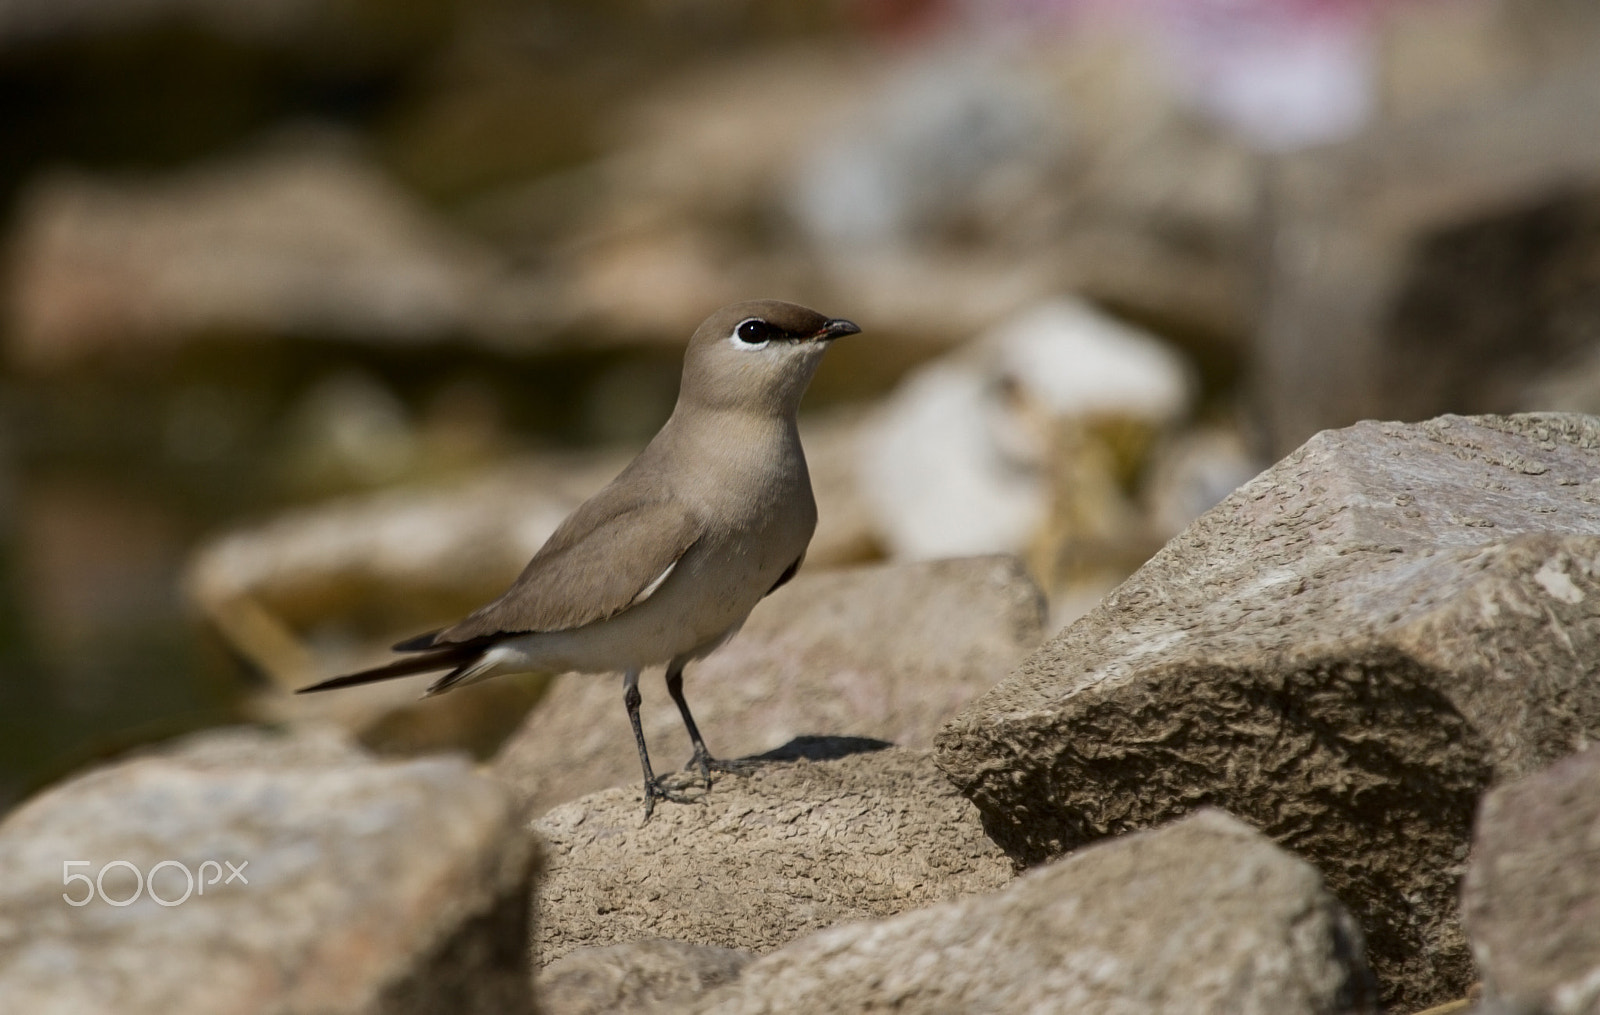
836,328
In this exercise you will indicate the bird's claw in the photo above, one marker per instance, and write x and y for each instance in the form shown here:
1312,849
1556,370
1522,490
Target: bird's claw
658,789
705,764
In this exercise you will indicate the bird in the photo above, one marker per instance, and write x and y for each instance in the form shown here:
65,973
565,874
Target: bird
663,564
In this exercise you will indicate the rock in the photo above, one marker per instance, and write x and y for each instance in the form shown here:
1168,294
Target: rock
361,886
886,652
1344,653
1531,899
763,858
1204,915
1023,443
937,475
1073,360
1192,472
1441,264
298,238
636,978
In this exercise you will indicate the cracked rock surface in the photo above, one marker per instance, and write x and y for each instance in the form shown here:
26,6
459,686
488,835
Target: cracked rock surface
762,858
378,887
1204,915
1344,653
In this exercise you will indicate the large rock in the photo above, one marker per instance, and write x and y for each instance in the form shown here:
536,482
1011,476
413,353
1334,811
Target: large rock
1531,901
362,887
887,652
763,858
1441,264
636,978
1344,653
296,239
1033,440
1202,916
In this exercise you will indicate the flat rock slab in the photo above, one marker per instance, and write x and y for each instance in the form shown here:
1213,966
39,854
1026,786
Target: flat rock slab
1345,653
362,886
1205,915
636,978
1531,901
887,652
764,858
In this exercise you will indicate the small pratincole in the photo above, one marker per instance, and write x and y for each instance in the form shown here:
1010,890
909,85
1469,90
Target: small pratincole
665,563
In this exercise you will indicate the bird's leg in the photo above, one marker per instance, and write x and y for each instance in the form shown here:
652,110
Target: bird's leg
702,758
630,698
653,790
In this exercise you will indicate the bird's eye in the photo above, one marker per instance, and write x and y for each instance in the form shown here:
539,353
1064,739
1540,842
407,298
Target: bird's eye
753,332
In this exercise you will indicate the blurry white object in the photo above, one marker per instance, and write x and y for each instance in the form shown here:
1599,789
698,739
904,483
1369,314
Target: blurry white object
1075,360
935,473
958,461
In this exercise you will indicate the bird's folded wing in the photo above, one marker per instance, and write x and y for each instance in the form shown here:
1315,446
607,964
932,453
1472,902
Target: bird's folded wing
606,557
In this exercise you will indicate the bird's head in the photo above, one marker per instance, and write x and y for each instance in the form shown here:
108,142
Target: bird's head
757,356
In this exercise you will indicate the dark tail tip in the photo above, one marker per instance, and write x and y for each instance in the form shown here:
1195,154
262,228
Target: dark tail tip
440,659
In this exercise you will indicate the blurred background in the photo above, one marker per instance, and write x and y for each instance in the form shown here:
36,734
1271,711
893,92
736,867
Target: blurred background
318,315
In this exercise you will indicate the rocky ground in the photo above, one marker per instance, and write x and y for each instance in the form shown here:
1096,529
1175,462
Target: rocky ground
1328,751
326,312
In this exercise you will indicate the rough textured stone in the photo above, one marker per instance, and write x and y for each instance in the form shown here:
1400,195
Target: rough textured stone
1531,901
636,978
765,858
885,652
1344,653
374,888
1202,916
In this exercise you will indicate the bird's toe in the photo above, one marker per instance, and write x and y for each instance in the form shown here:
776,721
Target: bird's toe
670,789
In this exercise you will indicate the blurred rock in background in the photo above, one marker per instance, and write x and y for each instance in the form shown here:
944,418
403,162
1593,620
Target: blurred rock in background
304,240
1446,263
1033,440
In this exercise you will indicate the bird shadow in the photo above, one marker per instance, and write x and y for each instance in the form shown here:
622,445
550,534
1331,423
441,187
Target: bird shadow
803,748
819,748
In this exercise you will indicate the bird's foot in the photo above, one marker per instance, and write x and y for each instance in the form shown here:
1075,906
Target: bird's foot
659,788
705,764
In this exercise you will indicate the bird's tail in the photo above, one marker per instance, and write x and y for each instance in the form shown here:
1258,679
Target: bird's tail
454,657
